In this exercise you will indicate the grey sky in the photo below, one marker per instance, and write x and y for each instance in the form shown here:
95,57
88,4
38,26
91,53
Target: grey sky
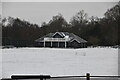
38,12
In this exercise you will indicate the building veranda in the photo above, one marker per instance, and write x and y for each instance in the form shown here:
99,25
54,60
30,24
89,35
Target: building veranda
61,40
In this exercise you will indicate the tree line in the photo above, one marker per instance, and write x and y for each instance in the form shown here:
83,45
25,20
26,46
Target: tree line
97,31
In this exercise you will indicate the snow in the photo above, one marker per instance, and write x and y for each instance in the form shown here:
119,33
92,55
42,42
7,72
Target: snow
0,63
58,62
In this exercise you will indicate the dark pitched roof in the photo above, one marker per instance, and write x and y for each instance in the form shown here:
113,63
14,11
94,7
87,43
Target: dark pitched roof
71,36
75,37
42,38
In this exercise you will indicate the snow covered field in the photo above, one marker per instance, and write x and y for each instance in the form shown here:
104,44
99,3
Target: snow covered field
56,62
0,63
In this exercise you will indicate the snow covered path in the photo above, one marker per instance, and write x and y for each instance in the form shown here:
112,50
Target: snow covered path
56,62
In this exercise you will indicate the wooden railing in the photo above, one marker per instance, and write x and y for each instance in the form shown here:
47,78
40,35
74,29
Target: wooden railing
48,77
56,39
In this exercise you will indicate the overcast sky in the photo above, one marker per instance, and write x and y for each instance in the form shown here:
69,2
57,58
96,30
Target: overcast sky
38,12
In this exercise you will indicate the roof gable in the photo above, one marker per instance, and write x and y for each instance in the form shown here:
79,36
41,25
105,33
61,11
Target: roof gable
79,39
75,40
59,33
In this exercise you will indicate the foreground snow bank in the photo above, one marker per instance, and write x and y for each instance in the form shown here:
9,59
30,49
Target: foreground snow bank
0,63
97,61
